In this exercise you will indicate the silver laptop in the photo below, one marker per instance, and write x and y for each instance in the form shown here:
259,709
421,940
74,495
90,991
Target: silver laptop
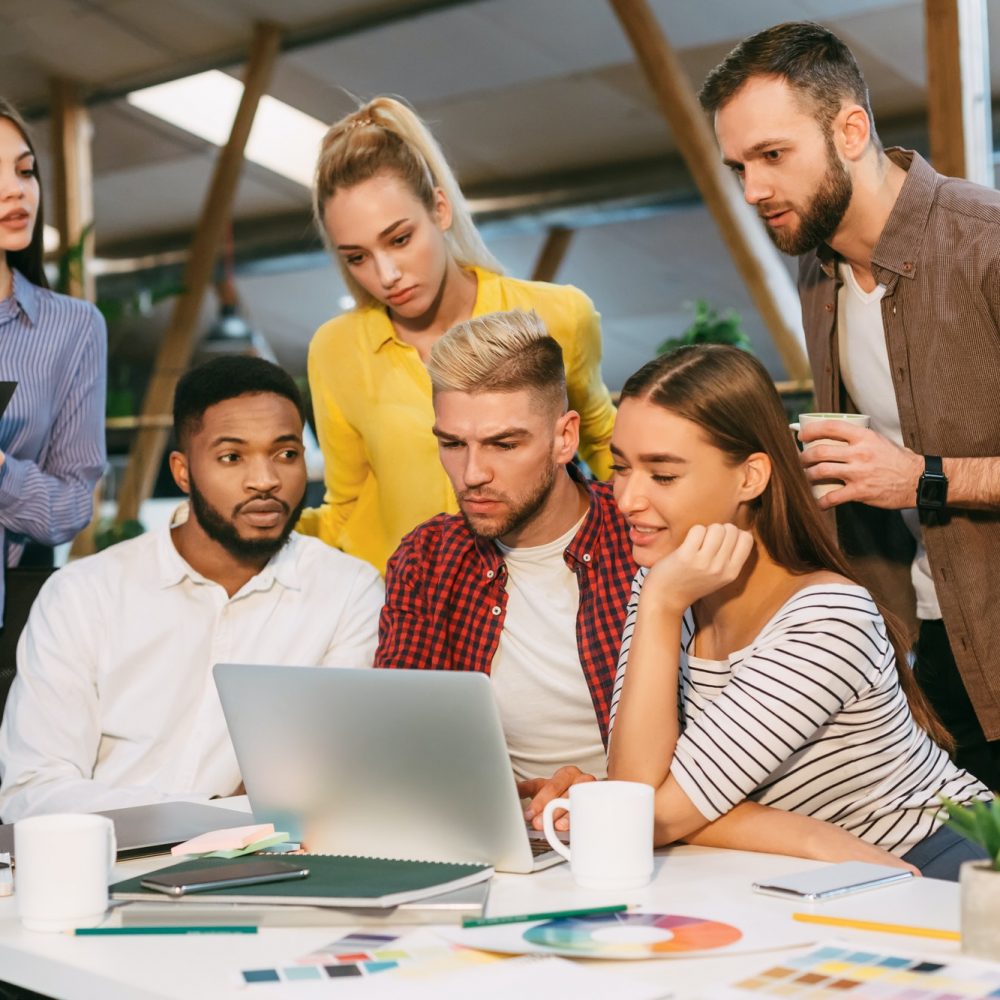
155,828
384,763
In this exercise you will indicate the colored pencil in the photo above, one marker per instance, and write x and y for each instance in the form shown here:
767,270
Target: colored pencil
874,925
117,931
521,918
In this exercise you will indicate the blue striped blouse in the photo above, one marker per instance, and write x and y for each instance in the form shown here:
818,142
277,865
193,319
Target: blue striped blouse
52,433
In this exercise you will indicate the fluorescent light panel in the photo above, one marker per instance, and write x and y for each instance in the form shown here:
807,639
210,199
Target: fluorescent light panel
282,139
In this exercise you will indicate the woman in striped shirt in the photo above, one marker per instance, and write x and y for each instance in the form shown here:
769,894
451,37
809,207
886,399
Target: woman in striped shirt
753,666
54,348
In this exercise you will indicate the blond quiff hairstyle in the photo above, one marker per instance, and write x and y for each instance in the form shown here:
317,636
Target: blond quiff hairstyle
500,352
386,136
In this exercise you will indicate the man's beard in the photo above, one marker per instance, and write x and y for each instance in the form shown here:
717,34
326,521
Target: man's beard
519,515
215,525
818,220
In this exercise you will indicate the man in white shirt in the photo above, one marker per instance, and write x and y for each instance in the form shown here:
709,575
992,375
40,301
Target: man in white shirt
114,703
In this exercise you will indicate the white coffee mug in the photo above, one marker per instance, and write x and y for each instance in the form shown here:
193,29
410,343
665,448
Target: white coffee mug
824,486
611,833
62,866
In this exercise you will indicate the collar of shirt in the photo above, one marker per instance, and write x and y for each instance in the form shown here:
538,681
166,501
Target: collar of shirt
583,550
282,568
380,331
899,243
24,299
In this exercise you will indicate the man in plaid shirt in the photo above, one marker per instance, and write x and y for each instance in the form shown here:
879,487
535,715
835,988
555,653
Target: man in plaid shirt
530,583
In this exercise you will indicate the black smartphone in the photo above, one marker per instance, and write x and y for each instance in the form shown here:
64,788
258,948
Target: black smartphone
223,876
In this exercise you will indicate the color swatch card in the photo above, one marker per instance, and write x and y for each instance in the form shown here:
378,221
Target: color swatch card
851,973
637,935
356,956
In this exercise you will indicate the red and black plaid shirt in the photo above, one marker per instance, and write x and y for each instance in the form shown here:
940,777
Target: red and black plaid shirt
446,598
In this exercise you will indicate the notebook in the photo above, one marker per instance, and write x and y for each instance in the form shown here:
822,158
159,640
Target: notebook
333,880
448,908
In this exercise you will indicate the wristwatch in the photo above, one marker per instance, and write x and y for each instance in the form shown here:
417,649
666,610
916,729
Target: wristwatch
932,488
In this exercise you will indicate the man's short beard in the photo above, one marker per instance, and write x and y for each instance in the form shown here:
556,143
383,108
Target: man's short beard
818,220
215,525
524,512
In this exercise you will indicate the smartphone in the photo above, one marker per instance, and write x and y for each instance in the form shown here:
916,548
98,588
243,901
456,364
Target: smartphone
832,881
223,876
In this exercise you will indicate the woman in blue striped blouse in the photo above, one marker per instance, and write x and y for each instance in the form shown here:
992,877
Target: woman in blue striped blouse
792,685
55,349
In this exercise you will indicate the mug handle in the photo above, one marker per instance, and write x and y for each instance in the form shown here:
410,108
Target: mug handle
548,825
112,851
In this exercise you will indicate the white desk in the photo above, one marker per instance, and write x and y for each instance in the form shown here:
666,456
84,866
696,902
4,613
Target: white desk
689,880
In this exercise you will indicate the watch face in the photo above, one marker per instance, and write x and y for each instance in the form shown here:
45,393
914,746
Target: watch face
932,491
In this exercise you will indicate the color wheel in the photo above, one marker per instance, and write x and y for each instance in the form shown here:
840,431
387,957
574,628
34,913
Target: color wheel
631,935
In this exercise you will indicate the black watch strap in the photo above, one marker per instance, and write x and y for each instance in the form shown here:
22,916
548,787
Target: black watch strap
932,488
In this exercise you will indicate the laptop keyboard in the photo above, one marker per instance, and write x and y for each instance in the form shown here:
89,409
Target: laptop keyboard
539,847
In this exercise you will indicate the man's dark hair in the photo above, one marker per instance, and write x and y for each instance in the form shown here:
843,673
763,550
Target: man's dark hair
225,378
814,61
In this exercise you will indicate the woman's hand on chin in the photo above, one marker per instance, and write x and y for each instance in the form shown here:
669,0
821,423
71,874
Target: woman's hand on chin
710,557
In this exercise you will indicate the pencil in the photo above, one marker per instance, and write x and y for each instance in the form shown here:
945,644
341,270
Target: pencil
522,918
874,925
113,931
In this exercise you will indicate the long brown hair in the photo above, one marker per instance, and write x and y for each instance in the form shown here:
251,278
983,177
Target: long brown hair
31,260
385,136
729,395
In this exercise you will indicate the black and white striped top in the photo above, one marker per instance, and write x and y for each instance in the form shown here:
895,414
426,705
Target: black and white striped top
810,717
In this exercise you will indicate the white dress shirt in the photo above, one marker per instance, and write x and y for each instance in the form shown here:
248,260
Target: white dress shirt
114,703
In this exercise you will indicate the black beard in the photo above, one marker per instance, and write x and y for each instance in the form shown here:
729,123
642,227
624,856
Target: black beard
820,219
522,514
215,525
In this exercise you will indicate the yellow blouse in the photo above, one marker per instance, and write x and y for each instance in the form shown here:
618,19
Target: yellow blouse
371,395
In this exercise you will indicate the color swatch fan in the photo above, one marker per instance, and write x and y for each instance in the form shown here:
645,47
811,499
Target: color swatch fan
624,935
631,935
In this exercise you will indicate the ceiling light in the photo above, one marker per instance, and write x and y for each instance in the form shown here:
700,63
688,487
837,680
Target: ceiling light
282,139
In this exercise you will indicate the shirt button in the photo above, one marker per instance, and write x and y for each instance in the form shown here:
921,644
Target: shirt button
907,266
829,307
490,574
496,610
586,557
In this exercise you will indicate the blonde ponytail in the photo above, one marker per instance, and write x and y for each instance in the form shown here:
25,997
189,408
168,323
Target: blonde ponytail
386,135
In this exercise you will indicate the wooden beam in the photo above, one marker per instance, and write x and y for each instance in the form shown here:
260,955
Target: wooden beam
73,188
179,341
958,89
552,254
73,216
756,258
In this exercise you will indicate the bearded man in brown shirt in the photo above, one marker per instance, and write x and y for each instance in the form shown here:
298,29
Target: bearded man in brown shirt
899,279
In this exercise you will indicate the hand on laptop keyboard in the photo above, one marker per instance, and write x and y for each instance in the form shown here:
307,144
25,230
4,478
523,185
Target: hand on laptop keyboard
542,790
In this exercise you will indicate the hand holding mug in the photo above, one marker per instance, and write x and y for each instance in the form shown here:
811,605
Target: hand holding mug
846,462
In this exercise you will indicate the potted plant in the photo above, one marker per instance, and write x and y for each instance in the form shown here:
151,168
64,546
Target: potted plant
980,880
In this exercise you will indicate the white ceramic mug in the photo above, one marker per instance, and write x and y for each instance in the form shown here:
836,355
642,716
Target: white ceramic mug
611,833
824,486
62,866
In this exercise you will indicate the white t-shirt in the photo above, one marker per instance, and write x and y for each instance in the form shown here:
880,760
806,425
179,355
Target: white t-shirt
545,704
864,367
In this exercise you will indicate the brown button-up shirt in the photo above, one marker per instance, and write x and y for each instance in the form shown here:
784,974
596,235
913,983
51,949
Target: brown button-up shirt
939,259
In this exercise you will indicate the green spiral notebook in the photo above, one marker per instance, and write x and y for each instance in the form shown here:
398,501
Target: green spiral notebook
333,880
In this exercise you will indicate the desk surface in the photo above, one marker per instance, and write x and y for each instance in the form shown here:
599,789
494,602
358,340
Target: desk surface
687,880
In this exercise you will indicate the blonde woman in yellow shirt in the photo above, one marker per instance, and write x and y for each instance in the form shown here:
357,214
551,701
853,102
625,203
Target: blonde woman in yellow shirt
394,216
